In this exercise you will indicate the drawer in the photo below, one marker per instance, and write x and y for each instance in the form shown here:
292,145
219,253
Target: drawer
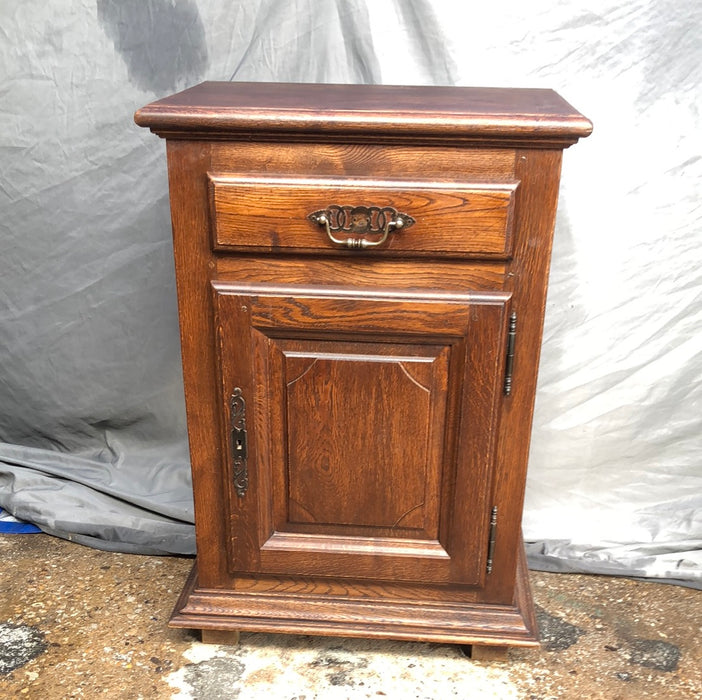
282,214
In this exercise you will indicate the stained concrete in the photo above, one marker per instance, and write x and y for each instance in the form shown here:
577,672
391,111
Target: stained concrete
80,623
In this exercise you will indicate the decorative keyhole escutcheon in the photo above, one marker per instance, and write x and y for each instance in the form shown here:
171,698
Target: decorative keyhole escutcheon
237,406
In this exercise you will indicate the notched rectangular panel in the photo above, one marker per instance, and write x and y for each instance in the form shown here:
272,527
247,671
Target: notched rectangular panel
359,425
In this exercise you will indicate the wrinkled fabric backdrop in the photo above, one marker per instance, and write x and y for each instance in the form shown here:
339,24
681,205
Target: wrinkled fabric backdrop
92,423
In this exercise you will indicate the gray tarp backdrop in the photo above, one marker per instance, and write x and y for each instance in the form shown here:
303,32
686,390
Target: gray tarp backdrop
92,429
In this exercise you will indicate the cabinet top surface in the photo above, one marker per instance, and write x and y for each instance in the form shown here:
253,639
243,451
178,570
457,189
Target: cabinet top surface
305,110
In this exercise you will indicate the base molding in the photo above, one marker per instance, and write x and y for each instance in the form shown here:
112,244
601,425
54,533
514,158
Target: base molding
456,623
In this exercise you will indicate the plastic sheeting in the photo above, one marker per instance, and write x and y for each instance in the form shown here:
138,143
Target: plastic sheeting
91,410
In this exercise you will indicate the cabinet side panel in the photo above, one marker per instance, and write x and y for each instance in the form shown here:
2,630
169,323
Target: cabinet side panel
527,279
188,163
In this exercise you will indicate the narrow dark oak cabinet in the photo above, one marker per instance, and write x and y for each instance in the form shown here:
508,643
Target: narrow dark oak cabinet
361,281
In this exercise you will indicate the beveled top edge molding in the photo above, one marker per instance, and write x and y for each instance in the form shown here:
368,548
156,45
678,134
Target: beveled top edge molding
321,112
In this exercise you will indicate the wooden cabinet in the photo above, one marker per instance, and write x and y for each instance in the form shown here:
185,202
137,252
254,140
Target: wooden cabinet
361,280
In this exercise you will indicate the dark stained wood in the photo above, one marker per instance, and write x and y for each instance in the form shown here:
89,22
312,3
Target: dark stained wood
344,463
356,439
353,588
379,436
368,274
451,219
333,614
527,278
439,113
440,163
189,212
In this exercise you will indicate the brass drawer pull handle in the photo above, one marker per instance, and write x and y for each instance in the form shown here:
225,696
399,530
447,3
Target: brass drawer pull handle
360,221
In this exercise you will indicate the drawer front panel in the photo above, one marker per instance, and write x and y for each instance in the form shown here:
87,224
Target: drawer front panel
450,219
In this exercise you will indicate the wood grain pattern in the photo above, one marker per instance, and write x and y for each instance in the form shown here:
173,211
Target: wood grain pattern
369,274
385,112
528,279
271,214
331,472
344,460
408,592
379,435
329,614
189,212
443,163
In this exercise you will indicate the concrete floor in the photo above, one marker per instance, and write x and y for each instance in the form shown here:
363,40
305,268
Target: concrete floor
80,623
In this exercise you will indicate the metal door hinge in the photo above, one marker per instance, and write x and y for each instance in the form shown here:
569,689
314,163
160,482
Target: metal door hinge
509,362
237,419
491,539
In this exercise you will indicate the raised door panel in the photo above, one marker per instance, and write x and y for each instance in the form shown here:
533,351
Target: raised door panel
364,436
371,422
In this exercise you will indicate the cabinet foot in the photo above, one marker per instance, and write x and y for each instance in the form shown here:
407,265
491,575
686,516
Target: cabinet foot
483,652
224,637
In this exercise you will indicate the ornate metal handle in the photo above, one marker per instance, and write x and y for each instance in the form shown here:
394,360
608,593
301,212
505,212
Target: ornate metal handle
360,220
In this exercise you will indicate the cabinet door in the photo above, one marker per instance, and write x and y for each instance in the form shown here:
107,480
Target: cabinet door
371,424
